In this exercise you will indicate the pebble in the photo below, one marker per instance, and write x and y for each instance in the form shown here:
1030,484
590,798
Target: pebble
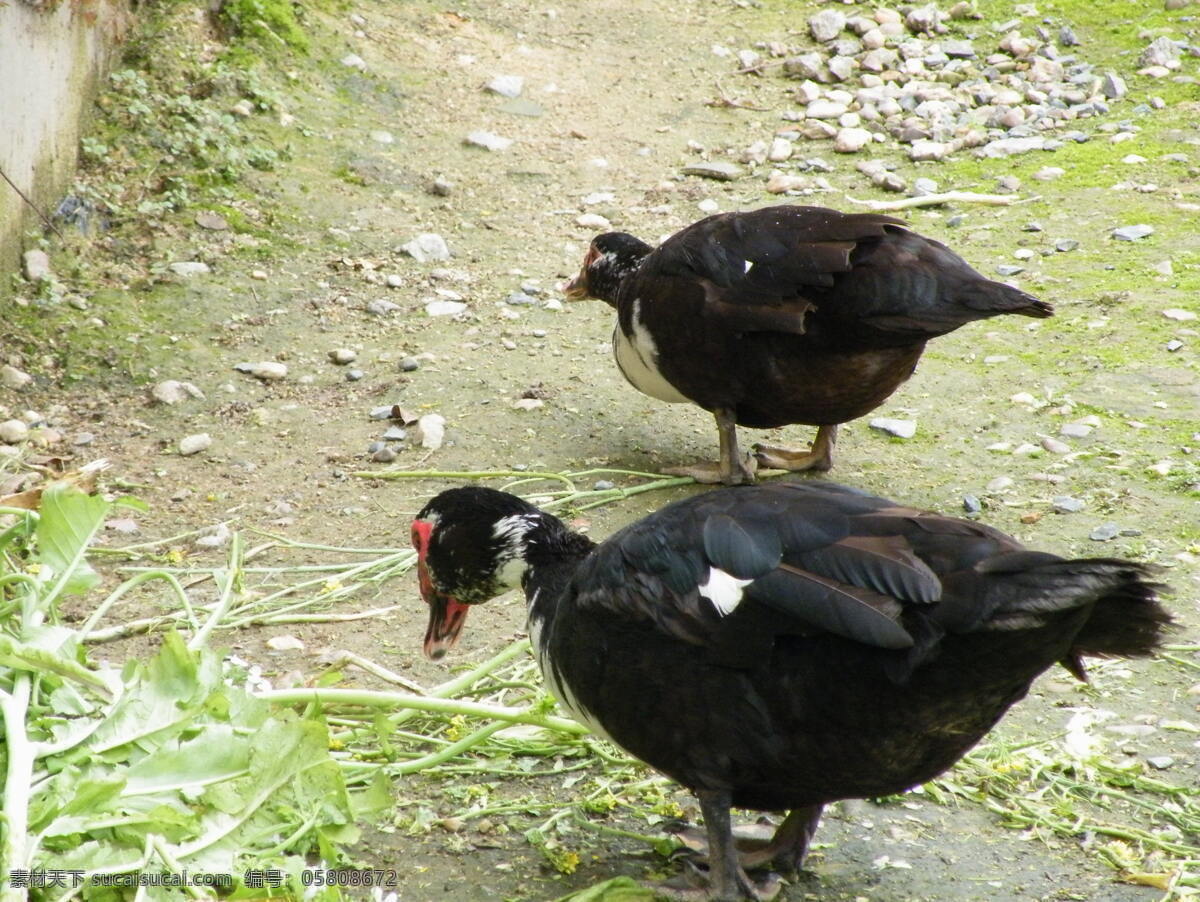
1049,173
708,205
214,222
826,25
354,375
267,370
509,86
1113,86
430,431
13,432
971,504
395,434
604,485
354,61
528,403
379,136
426,247
11,377
898,428
1009,269
36,265
1164,268
1065,245
1178,315
1054,446
392,280
1065,504
1076,430
851,140
1132,232
721,171
1160,762
593,221
781,149
343,356
409,364
217,537
172,391
1104,532
999,484
188,268
445,308
381,307
384,455
194,444
1174,345
488,140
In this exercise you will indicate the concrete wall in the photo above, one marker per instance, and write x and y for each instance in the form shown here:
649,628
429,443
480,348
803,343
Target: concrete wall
52,54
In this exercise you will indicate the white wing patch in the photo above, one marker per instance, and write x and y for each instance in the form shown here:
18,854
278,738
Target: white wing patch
511,531
637,358
749,263
723,590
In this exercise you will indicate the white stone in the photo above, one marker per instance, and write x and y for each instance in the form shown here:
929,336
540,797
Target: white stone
13,432
445,308
826,25
506,85
489,140
194,444
1178,315
36,265
354,61
426,247
267,370
824,109
11,377
851,140
172,391
781,149
593,221
380,136
430,431
188,268
898,428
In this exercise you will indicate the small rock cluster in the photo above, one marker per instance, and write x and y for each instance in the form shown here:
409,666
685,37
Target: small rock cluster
899,78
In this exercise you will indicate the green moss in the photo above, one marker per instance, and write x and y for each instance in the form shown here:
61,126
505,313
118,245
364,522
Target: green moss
267,22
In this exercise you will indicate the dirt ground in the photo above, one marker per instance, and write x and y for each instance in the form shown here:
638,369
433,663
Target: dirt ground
617,90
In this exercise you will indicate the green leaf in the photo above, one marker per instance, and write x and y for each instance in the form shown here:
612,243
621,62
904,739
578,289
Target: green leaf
69,519
20,656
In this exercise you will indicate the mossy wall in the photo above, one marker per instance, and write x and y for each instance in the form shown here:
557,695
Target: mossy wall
51,55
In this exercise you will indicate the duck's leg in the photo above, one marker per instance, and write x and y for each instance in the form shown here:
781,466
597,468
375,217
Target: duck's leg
819,457
789,846
727,882
733,468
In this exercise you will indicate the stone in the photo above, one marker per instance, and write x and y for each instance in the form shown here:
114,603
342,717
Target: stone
593,221
1160,762
13,432
782,182
188,268
36,265
851,140
426,247
430,431
1054,446
841,67
1162,51
409,364
266,370
898,428
380,136
380,307
925,151
172,391
1180,316
354,61
781,149
1133,232
1065,504
445,308
824,109
394,434
11,377
971,504
441,187
1007,147
214,222
1065,245
826,25
1076,430
721,171
1105,532
194,444
959,49
509,86
806,65
925,20
488,140
1049,173
343,356
1113,86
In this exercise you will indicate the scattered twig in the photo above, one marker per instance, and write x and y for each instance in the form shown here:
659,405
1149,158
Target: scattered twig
724,100
946,197
46,219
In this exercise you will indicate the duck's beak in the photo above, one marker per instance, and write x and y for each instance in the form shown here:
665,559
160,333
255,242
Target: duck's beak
446,616
577,288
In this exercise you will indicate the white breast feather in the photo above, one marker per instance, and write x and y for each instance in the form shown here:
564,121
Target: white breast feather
637,359
723,590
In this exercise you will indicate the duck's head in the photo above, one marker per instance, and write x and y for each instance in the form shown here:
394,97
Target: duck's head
610,258
471,544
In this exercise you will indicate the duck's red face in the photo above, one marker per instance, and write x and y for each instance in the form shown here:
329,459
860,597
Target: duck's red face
446,614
